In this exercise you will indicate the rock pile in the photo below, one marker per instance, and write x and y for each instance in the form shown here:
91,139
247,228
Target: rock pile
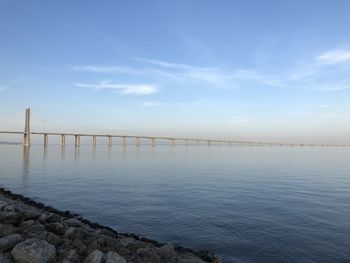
33,233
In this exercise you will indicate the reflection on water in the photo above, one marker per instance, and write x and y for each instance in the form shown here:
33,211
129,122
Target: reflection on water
25,163
249,204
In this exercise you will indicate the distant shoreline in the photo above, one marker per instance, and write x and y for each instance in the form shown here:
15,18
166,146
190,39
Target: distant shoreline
10,143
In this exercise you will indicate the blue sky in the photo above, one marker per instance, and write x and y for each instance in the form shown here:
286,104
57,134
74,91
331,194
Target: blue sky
260,70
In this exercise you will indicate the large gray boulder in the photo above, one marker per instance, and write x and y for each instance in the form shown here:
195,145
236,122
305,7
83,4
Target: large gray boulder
146,255
8,217
95,256
34,251
114,257
8,242
7,229
167,253
71,257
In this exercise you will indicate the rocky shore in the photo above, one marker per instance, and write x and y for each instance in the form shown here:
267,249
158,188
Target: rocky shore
31,232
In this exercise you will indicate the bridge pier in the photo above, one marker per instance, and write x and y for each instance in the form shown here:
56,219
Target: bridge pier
124,141
173,142
109,141
209,142
63,140
153,142
94,141
137,141
77,140
46,139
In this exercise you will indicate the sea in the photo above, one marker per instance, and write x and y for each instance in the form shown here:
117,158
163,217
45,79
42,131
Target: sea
245,203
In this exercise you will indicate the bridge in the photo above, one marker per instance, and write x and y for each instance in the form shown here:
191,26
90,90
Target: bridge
152,139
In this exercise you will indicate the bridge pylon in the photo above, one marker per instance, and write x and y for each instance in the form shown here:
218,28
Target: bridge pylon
26,137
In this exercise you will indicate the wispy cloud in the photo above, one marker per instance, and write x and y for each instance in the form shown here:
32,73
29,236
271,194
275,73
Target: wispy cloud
315,73
165,64
150,104
334,57
214,76
118,70
106,69
135,89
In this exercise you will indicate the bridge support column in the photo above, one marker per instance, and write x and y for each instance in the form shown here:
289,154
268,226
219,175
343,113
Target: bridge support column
46,139
173,143
109,141
137,141
77,140
153,142
209,142
63,140
94,140
124,141
26,137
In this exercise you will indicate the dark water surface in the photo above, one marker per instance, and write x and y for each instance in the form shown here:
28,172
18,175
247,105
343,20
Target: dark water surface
249,204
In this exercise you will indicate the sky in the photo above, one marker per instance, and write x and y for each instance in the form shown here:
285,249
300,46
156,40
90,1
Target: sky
250,70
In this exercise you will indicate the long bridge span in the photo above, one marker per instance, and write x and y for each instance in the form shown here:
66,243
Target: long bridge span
152,139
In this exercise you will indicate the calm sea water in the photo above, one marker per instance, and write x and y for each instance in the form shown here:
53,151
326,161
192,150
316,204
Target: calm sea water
249,204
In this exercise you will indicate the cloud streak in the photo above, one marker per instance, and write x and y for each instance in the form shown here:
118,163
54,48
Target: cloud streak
334,57
133,89
150,104
311,75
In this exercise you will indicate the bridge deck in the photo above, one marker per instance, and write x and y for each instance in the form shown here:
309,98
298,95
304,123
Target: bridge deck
172,139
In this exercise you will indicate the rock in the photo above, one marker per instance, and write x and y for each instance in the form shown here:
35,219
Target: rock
7,229
79,245
207,256
72,233
42,218
189,259
10,217
56,228
8,242
95,256
25,224
2,204
124,252
33,230
8,208
131,243
63,249
106,232
30,214
5,258
51,218
39,232
114,257
73,222
47,236
146,255
107,243
34,251
71,257
167,253
93,245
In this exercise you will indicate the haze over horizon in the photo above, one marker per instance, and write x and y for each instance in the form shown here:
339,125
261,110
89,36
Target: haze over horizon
250,70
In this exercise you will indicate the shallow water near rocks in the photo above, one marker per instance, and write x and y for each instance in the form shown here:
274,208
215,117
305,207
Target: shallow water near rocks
248,204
